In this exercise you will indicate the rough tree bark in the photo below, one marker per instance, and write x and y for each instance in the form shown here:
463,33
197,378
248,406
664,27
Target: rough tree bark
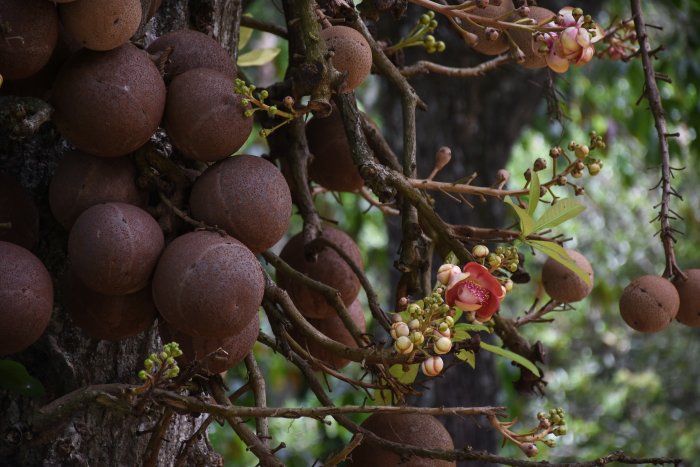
65,359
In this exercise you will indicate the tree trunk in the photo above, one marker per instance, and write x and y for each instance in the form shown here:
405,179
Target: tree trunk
65,359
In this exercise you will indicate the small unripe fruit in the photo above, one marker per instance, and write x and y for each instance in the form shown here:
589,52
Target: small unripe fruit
351,54
689,294
562,284
442,345
399,329
403,345
649,304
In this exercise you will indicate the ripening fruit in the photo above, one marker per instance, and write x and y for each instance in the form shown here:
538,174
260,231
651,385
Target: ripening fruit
194,348
526,40
190,50
208,285
424,431
101,24
248,197
17,207
649,304
328,268
108,103
562,284
351,54
26,298
81,181
114,247
204,117
28,44
484,45
689,294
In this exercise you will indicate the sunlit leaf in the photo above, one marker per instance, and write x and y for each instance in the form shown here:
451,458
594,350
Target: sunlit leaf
558,253
467,356
405,377
562,211
452,258
14,377
244,37
460,335
258,57
458,314
534,193
472,327
527,223
519,359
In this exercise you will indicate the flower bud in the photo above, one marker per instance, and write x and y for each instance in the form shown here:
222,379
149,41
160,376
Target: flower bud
450,321
594,168
445,333
582,151
403,345
417,337
480,251
442,345
399,329
444,274
529,449
143,375
540,164
508,285
432,366
414,310
396,318
560,430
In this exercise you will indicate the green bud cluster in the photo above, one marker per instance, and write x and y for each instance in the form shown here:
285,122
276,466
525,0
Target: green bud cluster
555,420
421,35
162,363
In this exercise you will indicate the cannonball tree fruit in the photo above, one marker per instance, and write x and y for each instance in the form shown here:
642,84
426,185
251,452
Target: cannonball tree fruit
332,165
689,295
113,248
424,431
108,317
204,117
334,328
28,36
192,49
26,298
108,103
649,304
526,40
203,349
101,24
208,285
484,45
81,181
351,54
329,268
563,284
248,197
17,208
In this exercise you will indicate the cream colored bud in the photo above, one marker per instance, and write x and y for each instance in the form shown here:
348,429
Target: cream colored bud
432,366
450,321
444,273
417,337
445,333
396,317
442,345
414,324
480,251
403,345
399,329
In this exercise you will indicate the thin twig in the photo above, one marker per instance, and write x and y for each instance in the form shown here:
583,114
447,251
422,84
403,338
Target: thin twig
257,382
425,67
254,23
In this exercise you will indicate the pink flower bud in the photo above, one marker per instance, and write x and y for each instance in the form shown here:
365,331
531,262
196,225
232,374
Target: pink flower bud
442,345
432,366
399,329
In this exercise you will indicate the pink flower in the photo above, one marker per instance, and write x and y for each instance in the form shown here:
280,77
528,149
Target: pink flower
475,289
572,45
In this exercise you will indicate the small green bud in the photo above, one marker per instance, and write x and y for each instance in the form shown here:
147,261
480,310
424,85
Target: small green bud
170,361
550,443
499,250
143,375
440,46
429,40
450,321
494,261
414,309
245,101
572,145
433,24
163,355
424,19
561,430
264,94
417,337
594,168
512,267
248,113
148,364
541,416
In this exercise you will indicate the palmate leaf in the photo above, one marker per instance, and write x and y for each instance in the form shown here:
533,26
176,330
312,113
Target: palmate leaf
534,193
527,223
558,213
258,57
557,253
519,359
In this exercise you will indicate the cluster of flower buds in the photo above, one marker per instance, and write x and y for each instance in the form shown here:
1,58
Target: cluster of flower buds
581,159
253,103
162,364
421,35
621,40
573,44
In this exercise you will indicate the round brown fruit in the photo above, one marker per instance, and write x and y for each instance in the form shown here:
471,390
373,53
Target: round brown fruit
689,295
82,181
101,24
204,117
649,304
202,348
246,196
334,328
28,36
114,247
26,298
563,284
329,268
351,54
108,103
526,40
484,45
332,165
108,317
208,285
17,207
419,430
192,49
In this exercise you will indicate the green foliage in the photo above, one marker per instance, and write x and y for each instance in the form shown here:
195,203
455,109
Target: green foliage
519,359
14,377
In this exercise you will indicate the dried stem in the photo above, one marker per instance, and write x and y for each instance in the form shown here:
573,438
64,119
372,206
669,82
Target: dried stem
154,444
257,382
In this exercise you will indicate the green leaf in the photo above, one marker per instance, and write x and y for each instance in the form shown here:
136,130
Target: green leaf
451,258
460,335
244,36
405,377
557,253
527,223
467,356
14,377
382,397
258,57
519,359
534,193
471,327
458,314
559,213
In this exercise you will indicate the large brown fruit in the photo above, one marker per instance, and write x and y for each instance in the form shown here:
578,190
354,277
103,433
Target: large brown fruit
208,285
204,117
194,348
424,431
332,166
526,40
334,328
109,317
17,207
114,247
649,304
28,35
108,103
192,49
246,196
82,181
351,54
484,45
329,268
562,284
26,298
101,24
689,294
